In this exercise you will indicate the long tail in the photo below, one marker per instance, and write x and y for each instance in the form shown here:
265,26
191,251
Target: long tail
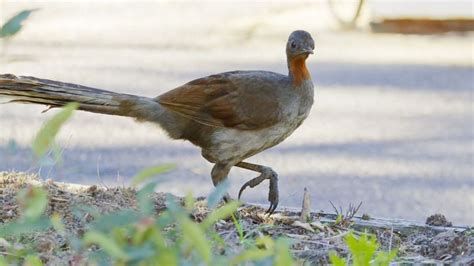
57,94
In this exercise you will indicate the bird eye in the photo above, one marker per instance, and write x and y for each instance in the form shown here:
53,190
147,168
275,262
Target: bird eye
293,44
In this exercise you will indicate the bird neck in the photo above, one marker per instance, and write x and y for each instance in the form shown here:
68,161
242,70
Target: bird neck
297,70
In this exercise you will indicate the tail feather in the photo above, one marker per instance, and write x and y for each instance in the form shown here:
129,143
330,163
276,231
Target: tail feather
56,94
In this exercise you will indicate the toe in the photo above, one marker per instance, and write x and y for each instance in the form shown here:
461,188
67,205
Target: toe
242,189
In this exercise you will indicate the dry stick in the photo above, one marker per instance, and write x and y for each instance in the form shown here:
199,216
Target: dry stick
390,242
323,244
336,236
306,206
335,209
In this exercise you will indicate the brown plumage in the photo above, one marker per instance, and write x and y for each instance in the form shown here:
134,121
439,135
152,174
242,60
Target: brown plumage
230,116
220,104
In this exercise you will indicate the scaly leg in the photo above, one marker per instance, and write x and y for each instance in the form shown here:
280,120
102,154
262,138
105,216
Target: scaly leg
219,173
265,173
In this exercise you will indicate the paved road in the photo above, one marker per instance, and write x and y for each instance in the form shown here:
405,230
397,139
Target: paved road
392,125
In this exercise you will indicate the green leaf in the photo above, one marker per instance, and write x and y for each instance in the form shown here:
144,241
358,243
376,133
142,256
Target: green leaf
362,249
251,255
150,172
168,257
336,260
141,253
145,204
194,235
24,227
265,242
107,244
165,219
219,192
99,258
14,24
33,202
57,223
45,137
189,202
283,255
221,213
384,258
32,260
107,222
173,206
3,261
238,227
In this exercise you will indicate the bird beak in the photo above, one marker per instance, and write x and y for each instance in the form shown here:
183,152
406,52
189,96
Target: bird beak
307,51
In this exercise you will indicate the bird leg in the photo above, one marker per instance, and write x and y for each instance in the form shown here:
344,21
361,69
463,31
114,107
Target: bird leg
265,173
219,173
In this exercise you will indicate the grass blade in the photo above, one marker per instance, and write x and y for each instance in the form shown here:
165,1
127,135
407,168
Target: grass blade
150,172
221,213
283,255
107,244
45,137
196,237
33,202
219,192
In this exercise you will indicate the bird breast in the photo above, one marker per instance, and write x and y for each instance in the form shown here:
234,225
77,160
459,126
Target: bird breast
233,145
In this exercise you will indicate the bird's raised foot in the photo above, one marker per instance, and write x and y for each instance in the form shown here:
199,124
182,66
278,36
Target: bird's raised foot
273,196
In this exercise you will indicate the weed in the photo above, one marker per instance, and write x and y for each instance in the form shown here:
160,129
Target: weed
364,251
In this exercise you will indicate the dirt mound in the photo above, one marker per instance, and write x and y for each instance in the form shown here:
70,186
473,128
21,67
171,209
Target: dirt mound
312,237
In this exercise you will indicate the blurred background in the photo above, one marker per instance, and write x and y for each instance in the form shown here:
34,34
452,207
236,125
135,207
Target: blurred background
392,125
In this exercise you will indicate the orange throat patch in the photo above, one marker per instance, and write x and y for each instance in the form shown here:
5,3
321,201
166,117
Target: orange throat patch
298,70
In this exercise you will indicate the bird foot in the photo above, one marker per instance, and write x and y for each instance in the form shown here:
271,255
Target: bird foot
273,195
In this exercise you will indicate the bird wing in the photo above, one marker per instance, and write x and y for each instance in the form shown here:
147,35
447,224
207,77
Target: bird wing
217,101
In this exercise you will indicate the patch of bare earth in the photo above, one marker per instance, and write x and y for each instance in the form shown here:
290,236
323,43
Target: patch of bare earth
312,235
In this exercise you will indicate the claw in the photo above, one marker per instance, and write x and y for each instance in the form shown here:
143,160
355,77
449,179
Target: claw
252,183
242,189
272,194
271,209
267,212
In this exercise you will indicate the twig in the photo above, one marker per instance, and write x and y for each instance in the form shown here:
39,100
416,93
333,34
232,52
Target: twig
350,213
390,242
336,236
306,206
324,244
335,209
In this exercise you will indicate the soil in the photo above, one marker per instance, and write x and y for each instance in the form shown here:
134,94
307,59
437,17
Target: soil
312,237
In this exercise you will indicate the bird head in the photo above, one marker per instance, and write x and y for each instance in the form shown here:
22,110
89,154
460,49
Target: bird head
300,43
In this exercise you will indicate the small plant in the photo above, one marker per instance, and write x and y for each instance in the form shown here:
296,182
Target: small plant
364,251
344,220
14,24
